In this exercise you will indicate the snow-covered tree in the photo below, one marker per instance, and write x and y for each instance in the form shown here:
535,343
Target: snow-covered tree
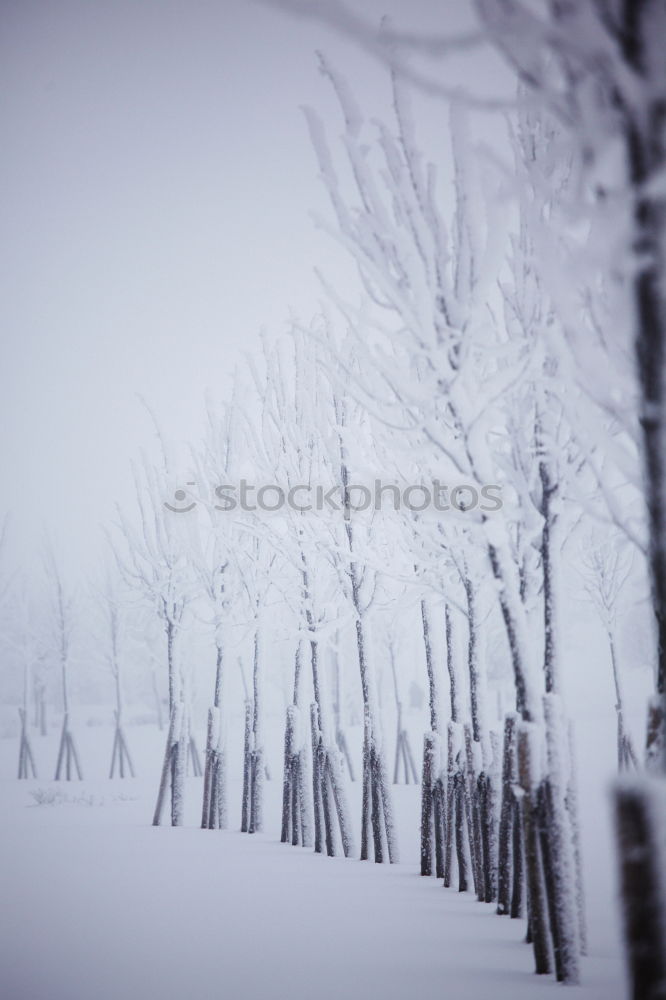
113,609
153,558
60,627
442,369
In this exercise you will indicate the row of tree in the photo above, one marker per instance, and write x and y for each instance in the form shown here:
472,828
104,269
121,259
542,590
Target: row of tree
589,160
455,368
473,360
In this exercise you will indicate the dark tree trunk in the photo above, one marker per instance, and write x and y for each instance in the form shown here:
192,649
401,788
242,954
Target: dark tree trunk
517,862
287,779
504,868
548,555
247,768
640,848
461,857
639,808
449,825
316,780
538,917
427,805
646,155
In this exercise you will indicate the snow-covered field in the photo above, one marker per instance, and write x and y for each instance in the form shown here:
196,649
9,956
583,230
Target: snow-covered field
98,903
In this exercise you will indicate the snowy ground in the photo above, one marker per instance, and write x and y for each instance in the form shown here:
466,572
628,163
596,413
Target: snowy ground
97,903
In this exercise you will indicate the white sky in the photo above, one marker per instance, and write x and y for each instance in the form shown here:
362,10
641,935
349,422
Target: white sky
156,183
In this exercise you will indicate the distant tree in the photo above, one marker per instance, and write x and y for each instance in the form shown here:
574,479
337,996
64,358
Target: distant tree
153,558
606,568
62,612
112,609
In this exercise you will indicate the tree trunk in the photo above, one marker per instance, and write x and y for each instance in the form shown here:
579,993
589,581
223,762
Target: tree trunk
538,917
257,774
504,867
247,769
427,830
430,669
564,918
451,665
640,812
26,768
548,568
288,789
169,767
316,780
179,769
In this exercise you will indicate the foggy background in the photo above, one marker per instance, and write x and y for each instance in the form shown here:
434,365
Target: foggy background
157,188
